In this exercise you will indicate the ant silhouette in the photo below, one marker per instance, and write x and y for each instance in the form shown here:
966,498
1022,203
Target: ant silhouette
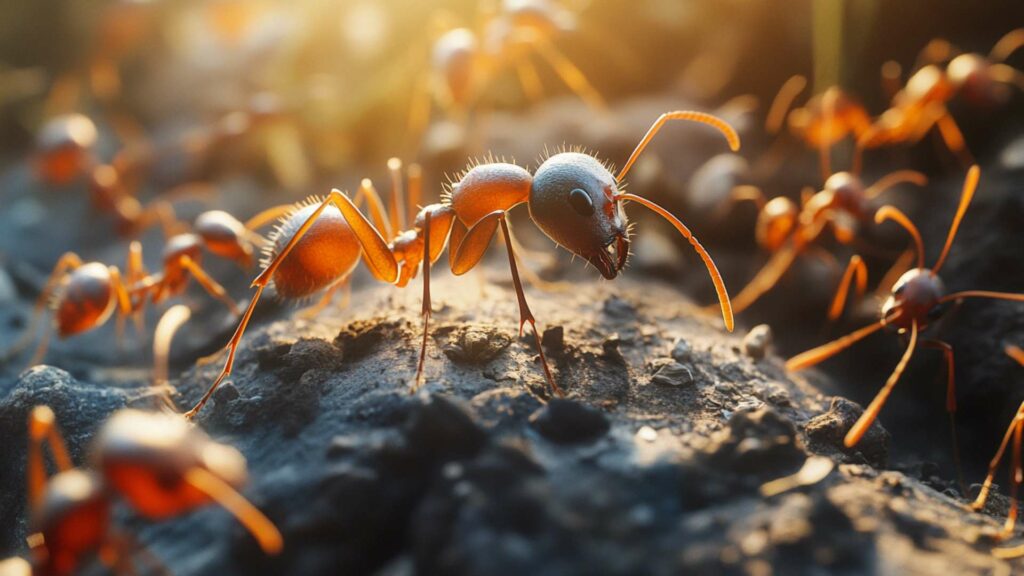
157,463
916,300
572,197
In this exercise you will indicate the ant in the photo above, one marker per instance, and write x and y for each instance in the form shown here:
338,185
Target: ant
916,300
921,104
572,197
464,61
84,295
1016,431
822,122
157,463
787,230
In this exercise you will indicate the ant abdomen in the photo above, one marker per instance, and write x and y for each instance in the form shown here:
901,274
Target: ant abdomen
327,252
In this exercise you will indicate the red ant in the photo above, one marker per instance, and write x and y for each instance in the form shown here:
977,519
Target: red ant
916,299
921,104
84,295
787,230
157,463
1016,431
572,197
464,61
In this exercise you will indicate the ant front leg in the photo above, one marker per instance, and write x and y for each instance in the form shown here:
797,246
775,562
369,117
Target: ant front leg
42,428
435,236
212,287
469,253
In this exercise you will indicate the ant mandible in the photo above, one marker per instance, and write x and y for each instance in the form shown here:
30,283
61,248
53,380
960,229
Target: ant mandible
84,295
572,197
916,299
159,464
1016,431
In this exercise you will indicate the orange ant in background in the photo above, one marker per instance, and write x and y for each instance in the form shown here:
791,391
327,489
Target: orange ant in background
787,230
1016,431
921,104
572,197
916,300
84,295
464,62
157,463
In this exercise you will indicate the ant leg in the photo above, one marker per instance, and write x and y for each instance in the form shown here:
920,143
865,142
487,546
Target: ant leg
783,102
166,328
232,348
954,138
419,113
67,263
993,465
530,80
378,212
871,413
426,307
570,74
1007,45
163,213
765,279
894,178
469,253
522,255
855,269
1015,480
826,351
135,272
212,287
524,309
42,428
269,215
261,528
396,202
947,355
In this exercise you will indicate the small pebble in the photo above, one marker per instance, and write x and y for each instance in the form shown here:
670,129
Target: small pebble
673,374
757,341
682,352
569,422
647,434
553,338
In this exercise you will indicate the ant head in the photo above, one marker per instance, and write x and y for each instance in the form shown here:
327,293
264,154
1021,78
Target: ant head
64,145
775,223
915,296
572,200
847,192
147,456
971,75
85,299
225,236
73,517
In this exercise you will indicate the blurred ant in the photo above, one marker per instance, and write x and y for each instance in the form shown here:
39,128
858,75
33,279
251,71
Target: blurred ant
920,104
84,295
157,463
572,197
824,121
916,299
1016,431
464,61
787,230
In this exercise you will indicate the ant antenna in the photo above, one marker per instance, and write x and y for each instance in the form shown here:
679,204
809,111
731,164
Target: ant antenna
892,213
970,185
692,116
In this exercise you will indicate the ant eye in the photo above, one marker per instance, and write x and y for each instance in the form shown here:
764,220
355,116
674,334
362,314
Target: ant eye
581,202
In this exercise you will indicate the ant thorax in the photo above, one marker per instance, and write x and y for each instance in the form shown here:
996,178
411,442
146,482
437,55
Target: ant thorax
847,194
929,84
914,297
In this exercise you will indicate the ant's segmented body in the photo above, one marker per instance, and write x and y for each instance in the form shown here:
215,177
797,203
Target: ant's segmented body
572,197
157,463
915,300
